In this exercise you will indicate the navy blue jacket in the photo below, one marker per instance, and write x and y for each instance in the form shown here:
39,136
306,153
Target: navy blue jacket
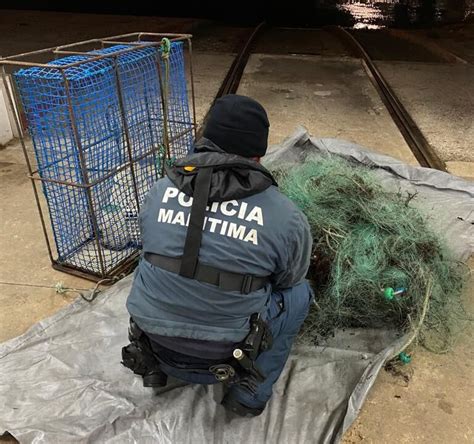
263,234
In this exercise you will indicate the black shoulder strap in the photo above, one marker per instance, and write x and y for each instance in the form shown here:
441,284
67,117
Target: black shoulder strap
192,244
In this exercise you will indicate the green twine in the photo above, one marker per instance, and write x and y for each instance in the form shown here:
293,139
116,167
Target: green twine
366,237
165,47
165,53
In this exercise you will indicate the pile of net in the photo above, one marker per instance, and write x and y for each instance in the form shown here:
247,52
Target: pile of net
375,263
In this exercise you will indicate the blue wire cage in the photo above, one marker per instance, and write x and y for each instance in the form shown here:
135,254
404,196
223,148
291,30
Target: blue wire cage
100,139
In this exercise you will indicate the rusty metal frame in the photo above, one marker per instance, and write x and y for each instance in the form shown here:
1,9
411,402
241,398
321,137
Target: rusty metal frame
135,41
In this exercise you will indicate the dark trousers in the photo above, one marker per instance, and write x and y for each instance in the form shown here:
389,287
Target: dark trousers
287,312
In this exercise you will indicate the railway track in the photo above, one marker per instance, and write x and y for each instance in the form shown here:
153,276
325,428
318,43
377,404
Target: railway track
416,141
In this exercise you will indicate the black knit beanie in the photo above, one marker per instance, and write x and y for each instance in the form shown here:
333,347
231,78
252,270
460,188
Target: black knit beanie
238,125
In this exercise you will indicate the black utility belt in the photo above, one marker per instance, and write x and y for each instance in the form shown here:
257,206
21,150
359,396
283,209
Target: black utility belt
241,367
225,280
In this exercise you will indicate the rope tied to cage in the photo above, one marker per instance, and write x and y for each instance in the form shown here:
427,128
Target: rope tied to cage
165,48
93,292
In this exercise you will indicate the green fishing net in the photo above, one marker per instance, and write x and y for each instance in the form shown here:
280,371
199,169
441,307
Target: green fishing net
375,263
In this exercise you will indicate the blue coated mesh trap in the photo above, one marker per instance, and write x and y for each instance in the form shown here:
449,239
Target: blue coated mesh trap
102,124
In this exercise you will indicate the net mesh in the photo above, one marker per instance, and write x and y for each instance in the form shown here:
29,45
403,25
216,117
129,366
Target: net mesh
80,131
375,262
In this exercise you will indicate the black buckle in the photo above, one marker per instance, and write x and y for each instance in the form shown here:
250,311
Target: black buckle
247,284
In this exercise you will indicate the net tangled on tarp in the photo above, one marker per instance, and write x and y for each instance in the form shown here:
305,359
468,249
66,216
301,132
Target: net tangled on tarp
375,263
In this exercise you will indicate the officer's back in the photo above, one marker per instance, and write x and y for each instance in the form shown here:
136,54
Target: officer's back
204,274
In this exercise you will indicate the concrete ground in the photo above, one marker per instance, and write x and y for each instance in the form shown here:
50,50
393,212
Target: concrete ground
454,39
441,97
329,93
436,406
332,97
434,84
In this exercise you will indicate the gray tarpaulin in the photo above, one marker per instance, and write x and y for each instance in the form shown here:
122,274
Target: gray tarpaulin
62,381
447,200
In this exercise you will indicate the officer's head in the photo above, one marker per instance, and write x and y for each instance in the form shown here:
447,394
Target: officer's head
238,125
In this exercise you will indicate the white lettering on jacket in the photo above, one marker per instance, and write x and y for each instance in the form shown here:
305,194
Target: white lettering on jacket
232,208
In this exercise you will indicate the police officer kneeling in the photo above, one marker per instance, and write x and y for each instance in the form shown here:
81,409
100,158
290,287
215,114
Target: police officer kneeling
220,291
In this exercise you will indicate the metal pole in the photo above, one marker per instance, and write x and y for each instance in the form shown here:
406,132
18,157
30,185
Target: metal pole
19,108
85,42
174,36
85,54
30,64
58,182
95,57
190,48
126,130
119,42
28,163
150,129
30,53
83,170
10,60
164,106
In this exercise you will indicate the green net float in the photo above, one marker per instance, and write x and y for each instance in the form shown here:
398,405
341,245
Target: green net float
405,358
389,293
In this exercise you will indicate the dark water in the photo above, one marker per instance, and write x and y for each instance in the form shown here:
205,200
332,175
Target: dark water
405,13
356,13
371,13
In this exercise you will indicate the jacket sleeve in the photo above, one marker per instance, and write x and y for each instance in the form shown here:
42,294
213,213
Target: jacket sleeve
297,254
